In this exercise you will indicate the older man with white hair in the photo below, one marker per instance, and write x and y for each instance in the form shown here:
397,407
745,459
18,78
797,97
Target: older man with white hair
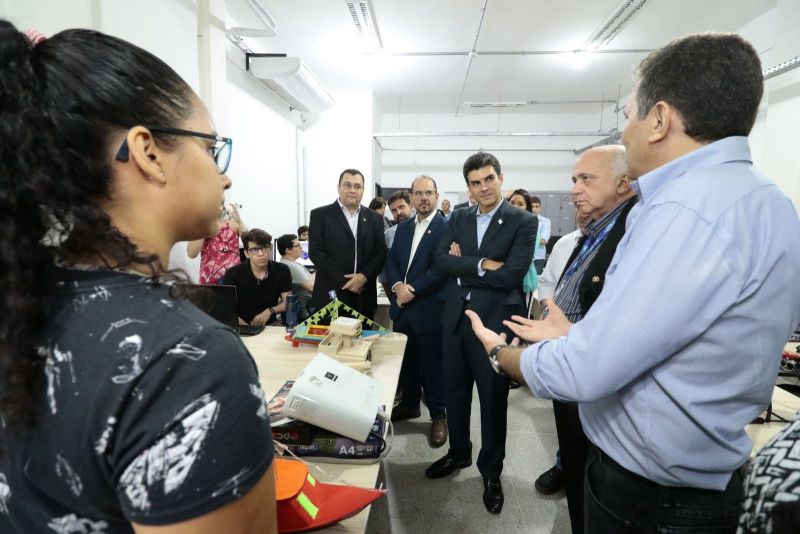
603,194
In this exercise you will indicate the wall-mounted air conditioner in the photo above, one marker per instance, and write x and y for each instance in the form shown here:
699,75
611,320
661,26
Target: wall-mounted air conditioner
291,80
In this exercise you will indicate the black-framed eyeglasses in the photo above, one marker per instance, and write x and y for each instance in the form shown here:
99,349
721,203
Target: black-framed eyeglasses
220,152
257,250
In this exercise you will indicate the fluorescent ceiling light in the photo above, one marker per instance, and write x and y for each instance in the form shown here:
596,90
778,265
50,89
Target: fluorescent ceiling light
497,104
781,68
613,24
363,18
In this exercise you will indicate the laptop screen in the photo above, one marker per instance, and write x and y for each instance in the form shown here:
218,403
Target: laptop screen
218,301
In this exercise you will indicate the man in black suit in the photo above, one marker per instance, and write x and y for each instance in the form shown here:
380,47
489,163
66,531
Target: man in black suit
417,296
469,203
347,247
486,251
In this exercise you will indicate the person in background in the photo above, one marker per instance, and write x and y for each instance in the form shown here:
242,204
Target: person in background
540,253
552,480
220,252
302,235
119,397
302,281
262,285
558,258
468,204
347,248
520,198
400,205
446,209
378,205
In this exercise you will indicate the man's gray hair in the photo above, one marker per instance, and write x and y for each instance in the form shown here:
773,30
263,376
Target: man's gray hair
619,163
616,158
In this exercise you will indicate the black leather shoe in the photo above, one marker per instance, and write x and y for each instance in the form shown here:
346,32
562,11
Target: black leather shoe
493,495
446,465
550,481
401,413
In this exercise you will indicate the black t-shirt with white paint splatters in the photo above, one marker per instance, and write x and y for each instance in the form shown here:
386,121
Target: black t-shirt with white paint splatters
151,412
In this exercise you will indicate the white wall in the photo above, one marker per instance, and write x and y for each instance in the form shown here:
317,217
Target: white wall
342,139
779,156
538,171
263,168
49,17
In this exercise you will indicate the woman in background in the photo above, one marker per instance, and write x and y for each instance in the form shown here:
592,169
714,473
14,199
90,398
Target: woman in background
521,199
220,252
124,407
378,205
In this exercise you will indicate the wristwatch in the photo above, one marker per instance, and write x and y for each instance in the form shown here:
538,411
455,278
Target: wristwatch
493,359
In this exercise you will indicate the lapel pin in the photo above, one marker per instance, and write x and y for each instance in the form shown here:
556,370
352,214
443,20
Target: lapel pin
429,231
595,279
499,221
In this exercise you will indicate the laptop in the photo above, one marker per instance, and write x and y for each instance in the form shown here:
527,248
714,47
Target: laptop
219,301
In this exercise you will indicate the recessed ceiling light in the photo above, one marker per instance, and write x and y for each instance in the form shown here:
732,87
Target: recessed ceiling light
363,18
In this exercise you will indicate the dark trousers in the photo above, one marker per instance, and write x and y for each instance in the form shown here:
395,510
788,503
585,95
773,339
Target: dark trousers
465,363
618,500
574,447
539,265
422,369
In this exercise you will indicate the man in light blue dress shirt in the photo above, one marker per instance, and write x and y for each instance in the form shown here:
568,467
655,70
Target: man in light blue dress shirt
682,348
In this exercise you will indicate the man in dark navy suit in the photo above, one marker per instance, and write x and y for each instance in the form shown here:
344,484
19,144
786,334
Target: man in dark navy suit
486,251
417,297
347,248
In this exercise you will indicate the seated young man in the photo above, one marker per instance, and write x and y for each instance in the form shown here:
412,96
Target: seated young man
302,280
262,285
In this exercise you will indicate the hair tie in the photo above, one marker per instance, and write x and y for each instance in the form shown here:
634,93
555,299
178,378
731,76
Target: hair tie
34,36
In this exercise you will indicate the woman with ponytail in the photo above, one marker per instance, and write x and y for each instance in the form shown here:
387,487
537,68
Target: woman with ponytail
122,406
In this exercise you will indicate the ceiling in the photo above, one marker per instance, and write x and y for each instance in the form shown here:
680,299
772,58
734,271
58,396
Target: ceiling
321,32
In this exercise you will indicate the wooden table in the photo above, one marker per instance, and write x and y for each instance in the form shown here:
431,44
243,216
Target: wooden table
278,362
784,404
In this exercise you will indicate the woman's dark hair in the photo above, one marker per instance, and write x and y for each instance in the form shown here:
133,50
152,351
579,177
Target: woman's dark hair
377,203
284,243
61,104
525,195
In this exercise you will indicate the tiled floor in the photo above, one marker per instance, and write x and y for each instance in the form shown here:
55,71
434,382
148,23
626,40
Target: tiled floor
416,505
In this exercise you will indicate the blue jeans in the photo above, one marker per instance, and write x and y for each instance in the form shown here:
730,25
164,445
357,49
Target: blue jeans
617,500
